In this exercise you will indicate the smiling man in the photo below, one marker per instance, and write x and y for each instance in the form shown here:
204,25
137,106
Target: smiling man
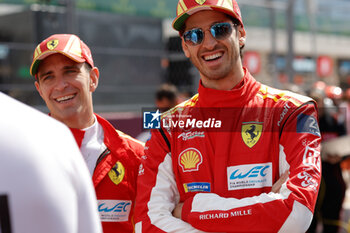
258,172
65,77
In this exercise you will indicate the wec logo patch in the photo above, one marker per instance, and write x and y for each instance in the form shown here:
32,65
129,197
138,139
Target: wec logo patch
249,176
114,210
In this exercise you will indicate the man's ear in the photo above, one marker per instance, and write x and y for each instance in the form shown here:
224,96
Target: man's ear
37,86
242,36
94,77
185,48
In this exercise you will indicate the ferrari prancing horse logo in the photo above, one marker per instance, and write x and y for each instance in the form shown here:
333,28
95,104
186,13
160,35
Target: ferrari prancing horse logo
251,132
116,174
200,2
52,44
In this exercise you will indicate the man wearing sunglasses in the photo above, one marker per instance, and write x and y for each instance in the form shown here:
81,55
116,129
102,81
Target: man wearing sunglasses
252,164
65,77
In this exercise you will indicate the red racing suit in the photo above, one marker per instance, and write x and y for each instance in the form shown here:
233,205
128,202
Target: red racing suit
115,177
224,175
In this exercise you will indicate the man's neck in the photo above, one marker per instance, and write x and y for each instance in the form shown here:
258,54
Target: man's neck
224,84
79,122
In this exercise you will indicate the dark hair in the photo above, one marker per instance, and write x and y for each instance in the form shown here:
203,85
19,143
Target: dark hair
88,67
167,91
237,23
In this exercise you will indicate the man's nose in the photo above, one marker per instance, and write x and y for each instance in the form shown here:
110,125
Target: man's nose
61,83
209,41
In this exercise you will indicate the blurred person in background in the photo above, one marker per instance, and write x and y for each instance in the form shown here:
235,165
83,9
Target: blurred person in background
334,95
184,95
166,97
345,110
333,187
45,185
293,88
65,77
257,172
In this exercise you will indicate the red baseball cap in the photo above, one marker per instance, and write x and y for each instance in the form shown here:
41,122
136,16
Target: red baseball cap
67,44
186,8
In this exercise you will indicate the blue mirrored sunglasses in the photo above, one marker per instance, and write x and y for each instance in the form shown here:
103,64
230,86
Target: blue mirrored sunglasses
219,31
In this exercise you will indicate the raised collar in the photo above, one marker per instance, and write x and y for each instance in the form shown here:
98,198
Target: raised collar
80,134
236,97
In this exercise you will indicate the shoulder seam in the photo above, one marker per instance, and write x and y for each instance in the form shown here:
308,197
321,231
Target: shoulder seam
126,136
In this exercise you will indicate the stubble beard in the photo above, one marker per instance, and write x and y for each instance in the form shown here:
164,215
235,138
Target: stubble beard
224,71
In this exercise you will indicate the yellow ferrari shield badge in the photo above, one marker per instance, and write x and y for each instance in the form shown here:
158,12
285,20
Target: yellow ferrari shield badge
116,174
251,132
200,2
52,44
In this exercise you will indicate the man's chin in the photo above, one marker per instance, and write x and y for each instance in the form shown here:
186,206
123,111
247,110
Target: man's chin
214,76
64,115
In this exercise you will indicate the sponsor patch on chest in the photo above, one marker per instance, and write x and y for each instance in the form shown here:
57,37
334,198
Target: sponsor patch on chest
190,159
249,176
116,174
114,210
251,132
197,187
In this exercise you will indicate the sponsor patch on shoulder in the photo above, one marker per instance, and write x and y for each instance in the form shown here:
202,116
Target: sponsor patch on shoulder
197,187
307,124
114,210
312,158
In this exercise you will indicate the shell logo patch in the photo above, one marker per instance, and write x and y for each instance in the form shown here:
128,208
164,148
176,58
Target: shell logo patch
200,2
190,159
251,132
52,44
116,174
